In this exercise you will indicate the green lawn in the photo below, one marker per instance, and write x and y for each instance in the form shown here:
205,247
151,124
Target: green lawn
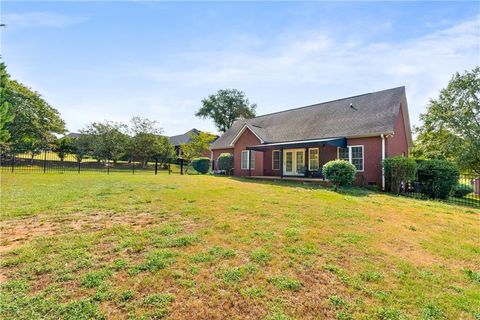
200,247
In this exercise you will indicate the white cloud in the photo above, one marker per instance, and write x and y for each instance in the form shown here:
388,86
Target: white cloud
319,67
39,19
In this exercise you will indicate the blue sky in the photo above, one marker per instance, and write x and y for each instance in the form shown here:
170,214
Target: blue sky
113,60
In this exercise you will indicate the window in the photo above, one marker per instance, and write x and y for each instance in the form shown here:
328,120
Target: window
288,161
357,157
352,154
313,159
244,160
276,159
343,154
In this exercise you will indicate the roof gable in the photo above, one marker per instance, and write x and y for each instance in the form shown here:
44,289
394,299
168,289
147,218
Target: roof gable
246,126
183,138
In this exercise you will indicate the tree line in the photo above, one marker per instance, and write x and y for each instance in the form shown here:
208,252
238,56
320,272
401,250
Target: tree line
28,124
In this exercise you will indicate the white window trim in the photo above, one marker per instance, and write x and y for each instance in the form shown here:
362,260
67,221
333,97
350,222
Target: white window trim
241,160
350,155
318,159
252,152
279,159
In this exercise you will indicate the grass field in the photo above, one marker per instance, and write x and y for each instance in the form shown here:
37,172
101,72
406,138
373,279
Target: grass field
201,247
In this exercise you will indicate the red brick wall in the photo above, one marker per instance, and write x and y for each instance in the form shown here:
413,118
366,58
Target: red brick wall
267,163
263,160
397,145
372,154
331,154
247,139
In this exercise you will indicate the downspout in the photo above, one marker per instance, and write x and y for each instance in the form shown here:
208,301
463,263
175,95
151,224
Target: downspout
383,158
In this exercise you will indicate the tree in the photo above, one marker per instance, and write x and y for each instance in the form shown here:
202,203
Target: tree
35,123
225,107
451,126
145,142
166,150
198,145
108,140
62,147
81,146
6,115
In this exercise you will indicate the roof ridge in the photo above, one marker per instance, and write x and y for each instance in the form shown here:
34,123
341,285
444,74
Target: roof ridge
317,104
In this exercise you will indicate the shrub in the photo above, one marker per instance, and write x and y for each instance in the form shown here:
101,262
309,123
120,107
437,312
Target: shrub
461,190
398,170
437,178
201,164
225,162
340,172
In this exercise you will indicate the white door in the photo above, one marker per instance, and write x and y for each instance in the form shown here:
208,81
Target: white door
294,162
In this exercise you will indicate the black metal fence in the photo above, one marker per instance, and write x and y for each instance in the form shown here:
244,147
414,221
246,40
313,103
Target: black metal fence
47,161
428,186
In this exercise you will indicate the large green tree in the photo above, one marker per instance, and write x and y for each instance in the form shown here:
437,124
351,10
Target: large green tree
451,126
108,140
6,115
145,142
34,122
198,145
82,146
62,147
225,107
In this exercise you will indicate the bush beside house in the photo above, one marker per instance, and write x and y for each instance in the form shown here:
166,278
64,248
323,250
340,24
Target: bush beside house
437,178
461,190
225,162
339,172
398,171
201,164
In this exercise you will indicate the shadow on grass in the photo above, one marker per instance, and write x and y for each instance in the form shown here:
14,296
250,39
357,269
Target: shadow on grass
350,190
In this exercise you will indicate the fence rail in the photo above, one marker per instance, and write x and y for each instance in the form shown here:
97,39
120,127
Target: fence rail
428,186
48,161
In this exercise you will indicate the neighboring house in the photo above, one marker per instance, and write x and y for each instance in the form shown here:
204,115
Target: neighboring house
180,139
362,129
72,135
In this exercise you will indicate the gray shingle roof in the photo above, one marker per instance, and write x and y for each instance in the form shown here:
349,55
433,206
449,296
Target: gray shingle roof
372,113
72,135
183,138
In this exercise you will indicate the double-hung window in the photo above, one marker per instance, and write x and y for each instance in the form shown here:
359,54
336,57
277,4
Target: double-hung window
354,155
276,159
245,161
313,159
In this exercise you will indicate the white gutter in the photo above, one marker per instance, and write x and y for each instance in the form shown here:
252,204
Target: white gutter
296,142
383,158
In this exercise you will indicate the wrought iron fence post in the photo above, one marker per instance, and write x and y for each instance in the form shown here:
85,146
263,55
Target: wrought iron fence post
108,166
156,166
133,166
13,160
181,166
79,163
169,167
44,161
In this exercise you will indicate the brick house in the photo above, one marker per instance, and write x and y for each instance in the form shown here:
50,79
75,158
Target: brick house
362,129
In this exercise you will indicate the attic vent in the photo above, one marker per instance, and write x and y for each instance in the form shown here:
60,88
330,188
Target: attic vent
352,106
